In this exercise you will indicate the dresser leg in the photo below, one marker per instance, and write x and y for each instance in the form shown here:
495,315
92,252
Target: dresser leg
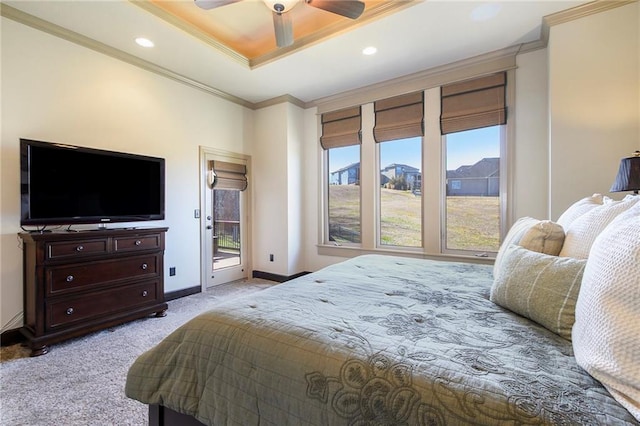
162,313
38,350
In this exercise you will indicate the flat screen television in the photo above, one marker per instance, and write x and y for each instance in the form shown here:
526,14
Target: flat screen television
65,185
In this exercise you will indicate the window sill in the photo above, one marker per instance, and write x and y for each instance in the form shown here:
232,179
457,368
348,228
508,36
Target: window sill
353,251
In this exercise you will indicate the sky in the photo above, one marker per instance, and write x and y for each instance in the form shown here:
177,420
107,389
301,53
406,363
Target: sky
463,149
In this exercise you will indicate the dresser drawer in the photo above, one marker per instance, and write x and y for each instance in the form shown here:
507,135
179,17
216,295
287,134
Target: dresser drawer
67,278
137,243
76,249
106,302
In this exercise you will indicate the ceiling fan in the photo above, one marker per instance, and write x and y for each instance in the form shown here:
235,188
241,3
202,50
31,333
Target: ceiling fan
282,21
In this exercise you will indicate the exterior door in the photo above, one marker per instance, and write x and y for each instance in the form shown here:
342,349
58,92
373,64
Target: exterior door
224,217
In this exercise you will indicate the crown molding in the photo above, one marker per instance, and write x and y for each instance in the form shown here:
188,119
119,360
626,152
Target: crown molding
583,11
569,15
79,39
499,60
151,8
504,59
280,99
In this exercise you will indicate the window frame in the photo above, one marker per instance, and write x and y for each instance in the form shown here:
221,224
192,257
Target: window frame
326,174
432,147
378,204
443,190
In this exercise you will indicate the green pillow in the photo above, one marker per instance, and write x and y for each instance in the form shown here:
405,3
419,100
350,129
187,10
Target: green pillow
540,287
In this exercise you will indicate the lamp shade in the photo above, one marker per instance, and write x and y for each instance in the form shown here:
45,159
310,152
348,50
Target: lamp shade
628,178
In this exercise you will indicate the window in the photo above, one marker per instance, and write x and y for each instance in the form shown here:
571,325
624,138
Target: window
471,117
400,192
472,187
341,137
407,187
344,194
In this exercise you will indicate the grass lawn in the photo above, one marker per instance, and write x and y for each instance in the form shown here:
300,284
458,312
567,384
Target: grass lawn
472,222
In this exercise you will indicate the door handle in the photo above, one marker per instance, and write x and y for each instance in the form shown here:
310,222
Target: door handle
209,227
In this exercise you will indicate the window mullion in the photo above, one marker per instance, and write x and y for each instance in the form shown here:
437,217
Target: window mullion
432,174
368,180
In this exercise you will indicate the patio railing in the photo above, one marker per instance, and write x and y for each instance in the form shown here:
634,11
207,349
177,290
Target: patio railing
227,233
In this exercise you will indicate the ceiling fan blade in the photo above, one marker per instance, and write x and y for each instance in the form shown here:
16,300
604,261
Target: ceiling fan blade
212,4
283,28
347,8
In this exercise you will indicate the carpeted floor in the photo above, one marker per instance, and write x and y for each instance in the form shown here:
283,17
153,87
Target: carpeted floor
81,381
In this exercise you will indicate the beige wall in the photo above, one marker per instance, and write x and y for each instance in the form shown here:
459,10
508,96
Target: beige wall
270,190
295,185
531,148
577,109
278,189
594,102
54,90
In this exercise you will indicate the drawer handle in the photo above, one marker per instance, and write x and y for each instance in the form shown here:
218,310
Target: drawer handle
144,266
79,248
144,293
69,311
69,278
138,242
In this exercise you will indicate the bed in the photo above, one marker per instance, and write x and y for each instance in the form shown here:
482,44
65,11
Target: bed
374,340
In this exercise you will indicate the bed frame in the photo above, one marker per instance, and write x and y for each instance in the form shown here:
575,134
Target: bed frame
162,416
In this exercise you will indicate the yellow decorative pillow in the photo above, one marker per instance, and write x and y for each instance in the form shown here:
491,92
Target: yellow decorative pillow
542,236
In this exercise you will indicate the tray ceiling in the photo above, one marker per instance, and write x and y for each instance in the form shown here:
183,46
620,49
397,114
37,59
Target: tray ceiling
245,29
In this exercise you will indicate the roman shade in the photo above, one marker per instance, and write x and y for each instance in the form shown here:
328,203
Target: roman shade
341,128
473,104
225,175
399,117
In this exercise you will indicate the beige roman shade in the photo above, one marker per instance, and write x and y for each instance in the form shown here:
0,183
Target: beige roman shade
228,175
473,104
341,128
399,117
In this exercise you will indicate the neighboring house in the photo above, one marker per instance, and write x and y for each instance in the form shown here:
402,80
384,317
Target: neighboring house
349,175
411,175
481,179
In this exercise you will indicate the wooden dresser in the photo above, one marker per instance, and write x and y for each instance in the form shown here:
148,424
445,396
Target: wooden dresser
79,282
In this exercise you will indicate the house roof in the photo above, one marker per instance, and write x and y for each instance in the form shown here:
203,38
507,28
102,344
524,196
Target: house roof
404,166
350,166
487,167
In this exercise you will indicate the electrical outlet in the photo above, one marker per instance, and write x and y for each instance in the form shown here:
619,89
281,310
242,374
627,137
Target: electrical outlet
270,258
172,271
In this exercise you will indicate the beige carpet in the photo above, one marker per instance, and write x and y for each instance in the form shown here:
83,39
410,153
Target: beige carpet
81,381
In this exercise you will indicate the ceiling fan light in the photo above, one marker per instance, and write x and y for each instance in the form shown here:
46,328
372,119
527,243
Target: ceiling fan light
281,6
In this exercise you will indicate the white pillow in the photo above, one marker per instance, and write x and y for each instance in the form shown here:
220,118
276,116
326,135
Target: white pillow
579,208
583,231
542,236
606,333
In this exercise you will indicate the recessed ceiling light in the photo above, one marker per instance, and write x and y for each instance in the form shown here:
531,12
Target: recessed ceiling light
485,11
144,42
371,50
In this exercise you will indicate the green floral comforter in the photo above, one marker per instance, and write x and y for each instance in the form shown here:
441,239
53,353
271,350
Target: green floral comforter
375,340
